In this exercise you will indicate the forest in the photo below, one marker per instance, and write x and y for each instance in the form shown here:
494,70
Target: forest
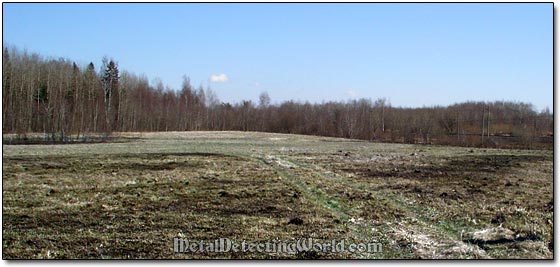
66,102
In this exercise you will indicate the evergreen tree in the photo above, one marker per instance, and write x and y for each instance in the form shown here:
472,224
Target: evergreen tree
110,81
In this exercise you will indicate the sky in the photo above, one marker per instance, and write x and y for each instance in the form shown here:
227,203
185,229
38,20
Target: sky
412,54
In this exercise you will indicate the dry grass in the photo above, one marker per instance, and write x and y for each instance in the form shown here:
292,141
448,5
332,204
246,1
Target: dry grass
129,199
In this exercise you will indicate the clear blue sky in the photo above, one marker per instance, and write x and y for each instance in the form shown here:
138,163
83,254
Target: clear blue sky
412,54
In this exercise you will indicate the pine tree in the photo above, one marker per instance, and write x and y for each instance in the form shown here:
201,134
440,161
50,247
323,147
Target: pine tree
110,81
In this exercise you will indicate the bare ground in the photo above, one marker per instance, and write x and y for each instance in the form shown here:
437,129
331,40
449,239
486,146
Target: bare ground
130,199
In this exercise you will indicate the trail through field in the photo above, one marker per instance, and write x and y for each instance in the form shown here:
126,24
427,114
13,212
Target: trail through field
333,192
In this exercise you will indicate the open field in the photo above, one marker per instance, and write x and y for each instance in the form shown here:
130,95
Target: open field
129,199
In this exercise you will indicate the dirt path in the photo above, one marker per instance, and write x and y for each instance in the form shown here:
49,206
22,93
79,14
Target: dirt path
411,236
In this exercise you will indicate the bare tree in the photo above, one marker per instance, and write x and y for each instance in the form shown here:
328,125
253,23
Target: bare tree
57,97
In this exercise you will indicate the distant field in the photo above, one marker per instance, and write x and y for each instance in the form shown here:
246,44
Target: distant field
130,198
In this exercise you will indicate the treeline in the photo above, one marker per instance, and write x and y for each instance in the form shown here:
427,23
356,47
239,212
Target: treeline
69,102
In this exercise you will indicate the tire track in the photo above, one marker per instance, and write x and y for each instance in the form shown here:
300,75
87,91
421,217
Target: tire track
414,238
